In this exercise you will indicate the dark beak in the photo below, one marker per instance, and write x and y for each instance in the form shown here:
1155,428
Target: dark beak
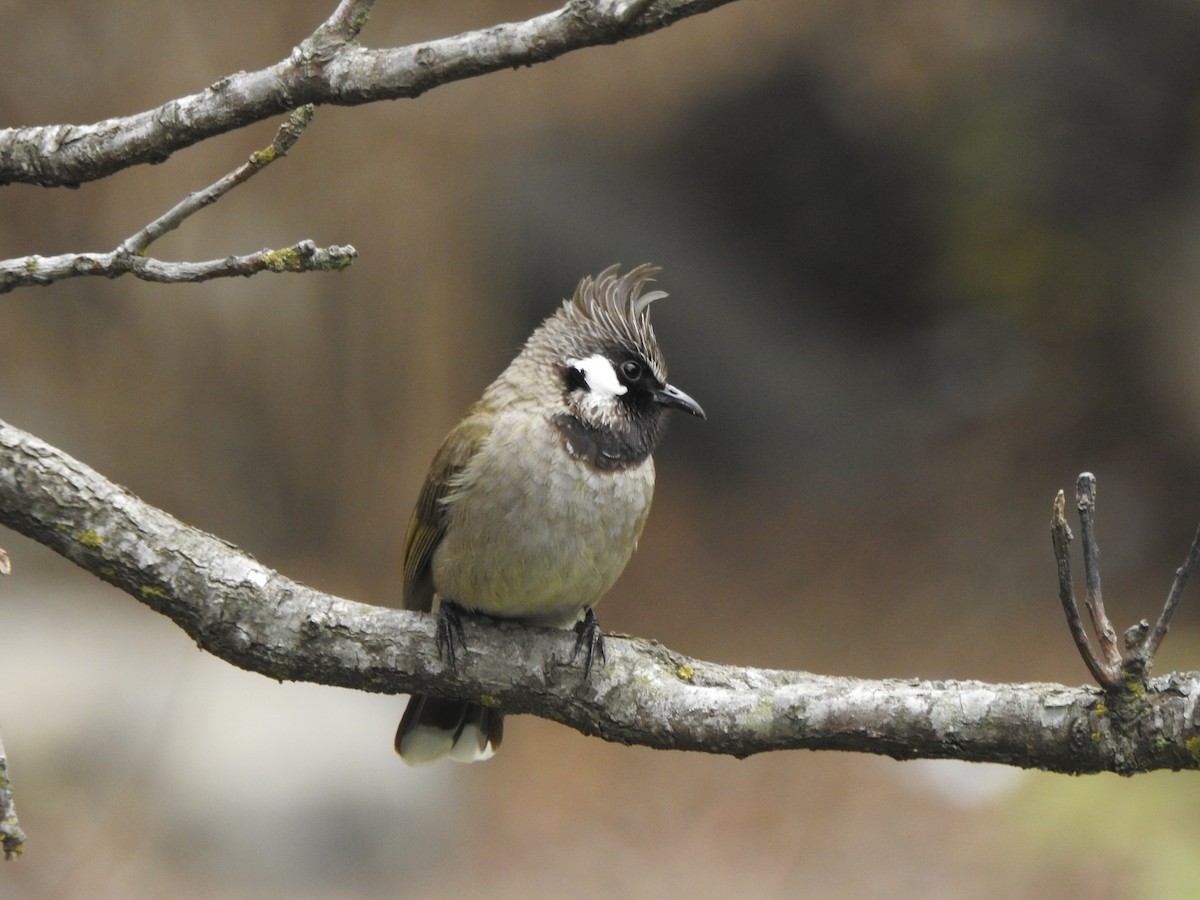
673,398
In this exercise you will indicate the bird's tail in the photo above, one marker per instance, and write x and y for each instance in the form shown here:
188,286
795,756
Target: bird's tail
433,728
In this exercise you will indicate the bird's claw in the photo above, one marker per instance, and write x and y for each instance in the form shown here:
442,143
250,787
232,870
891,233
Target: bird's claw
450,632
589,636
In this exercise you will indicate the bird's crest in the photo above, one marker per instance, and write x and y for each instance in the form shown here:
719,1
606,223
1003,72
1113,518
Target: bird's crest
613,309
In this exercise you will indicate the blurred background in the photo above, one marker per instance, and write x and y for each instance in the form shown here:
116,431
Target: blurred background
927,261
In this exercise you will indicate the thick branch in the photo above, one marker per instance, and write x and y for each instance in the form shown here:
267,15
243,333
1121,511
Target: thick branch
326,68
12,838
643,693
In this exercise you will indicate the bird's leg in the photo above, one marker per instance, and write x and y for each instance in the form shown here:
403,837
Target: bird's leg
450,632
588,634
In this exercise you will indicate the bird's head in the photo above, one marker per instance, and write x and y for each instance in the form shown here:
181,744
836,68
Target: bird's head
611,370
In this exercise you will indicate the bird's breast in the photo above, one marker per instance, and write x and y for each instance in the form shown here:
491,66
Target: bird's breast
534,532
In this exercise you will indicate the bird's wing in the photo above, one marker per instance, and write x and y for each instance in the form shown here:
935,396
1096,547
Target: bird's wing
430,516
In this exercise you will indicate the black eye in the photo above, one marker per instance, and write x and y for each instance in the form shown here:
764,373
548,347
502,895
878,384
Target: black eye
631,370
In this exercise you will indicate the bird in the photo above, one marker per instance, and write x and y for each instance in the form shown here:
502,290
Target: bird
536,500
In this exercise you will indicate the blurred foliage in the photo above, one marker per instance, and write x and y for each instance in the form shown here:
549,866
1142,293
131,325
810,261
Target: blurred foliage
1139,840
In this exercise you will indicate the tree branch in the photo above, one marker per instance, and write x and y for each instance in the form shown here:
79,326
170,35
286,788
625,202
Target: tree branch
304,256
129,258
289,132
1116,674
643,693
345,23
12,838
325,68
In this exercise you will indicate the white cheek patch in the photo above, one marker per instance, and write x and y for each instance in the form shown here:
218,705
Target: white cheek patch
600,376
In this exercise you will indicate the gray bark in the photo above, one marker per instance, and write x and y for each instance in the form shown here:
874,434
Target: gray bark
303,256
253,617
328,67
12,838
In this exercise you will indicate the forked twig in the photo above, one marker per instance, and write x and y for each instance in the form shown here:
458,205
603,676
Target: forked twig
129,256
289,132
1109,669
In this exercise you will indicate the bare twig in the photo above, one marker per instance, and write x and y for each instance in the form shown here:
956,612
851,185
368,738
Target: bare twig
12,838
1106,635
345,23
328,67
1149,645
255,618
630,11
129,259
1114,671
303,256
289,132
1060,535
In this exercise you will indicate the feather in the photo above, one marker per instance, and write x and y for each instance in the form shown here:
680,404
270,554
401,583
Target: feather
611,309
430,516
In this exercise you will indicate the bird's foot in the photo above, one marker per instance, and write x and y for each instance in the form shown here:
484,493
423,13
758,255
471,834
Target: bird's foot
450,633
588,637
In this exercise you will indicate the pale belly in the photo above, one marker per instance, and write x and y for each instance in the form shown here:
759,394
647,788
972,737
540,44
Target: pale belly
542,543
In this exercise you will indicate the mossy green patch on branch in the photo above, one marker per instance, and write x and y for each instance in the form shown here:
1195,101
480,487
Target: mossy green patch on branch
1135,686
89,538
265,156
288,259
762,717
301,259
1192,745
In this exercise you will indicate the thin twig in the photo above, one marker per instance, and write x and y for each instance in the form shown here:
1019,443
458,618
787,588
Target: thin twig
303,256
345,22
285,139
1085,502
1060,535
128,258
1145,653
1141,642
630,10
